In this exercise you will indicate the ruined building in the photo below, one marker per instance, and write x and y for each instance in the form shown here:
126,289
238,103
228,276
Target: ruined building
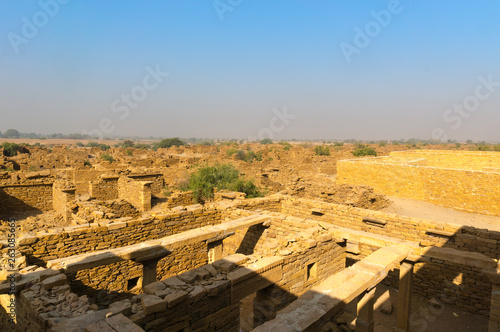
122,262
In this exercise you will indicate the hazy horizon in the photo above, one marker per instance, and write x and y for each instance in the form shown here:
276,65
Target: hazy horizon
374,70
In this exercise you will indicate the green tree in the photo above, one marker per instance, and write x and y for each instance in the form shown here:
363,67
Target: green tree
266,141
11,133
169,142
128,143
107,157
221,176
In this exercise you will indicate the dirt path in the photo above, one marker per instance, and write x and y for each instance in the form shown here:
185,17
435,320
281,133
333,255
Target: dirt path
419,209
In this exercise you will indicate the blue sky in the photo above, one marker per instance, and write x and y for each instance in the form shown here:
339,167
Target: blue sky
233,65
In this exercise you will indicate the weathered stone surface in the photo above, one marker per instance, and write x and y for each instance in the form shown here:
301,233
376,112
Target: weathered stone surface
176,298
100,326
154,287
188,276
123,324
173,281
152,304
57,280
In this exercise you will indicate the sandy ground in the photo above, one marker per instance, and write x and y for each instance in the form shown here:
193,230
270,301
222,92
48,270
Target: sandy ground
424,317
420,209
57,141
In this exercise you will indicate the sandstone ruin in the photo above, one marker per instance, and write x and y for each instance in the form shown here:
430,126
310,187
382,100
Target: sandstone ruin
103,247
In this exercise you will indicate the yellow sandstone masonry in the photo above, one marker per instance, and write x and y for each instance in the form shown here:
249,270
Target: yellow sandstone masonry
461,180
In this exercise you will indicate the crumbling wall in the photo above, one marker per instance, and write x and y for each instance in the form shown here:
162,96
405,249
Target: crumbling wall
137,193
156,179
81,239
180,198
301,272
63,194
26,196
472,292
115,278
106,188
82,176
270,203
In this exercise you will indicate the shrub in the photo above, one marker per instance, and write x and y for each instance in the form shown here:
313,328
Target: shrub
482,147
101,146
362,150
251,156
107,157
287,145
266,141
169,142
142,146
128,152
240,155
339,144
322,150
382,144
231,151
10,149
496,148
248,156
79,144
128,143
221,176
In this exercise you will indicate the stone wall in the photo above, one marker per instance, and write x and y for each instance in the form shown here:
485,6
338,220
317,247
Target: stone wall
63,194
137,193
470,160
81,178
466,286
105,188
156,179
270,203
180,198
464,189
26,196
81,239
208,298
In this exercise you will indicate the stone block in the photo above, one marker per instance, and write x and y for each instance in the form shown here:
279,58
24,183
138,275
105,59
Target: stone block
57,280
152,304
